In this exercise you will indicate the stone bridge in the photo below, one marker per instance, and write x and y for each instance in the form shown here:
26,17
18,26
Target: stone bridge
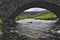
9,9
12,8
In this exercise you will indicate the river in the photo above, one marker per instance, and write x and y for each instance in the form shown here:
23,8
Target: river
36,28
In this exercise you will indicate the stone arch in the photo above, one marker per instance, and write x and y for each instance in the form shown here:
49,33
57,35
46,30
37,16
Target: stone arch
42,4
9,22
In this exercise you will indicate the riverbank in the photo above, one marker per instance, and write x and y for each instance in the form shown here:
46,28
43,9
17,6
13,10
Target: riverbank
34,20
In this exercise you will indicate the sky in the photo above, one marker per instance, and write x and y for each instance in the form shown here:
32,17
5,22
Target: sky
34,10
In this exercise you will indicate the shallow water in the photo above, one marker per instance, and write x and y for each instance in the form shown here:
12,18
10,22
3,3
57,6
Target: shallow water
36,28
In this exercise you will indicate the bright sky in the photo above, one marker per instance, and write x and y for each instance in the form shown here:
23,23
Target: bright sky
34,9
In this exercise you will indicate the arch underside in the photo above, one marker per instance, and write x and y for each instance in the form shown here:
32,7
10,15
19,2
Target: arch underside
9,23
50,6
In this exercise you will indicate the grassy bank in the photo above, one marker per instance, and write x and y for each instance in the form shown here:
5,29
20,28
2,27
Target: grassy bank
47,16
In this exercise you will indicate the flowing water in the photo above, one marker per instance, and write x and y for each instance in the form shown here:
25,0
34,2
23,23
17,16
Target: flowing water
36,28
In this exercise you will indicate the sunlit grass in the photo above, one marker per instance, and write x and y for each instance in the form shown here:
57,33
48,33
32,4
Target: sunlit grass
48,16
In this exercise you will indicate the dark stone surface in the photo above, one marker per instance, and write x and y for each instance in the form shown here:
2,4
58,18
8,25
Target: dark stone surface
9,9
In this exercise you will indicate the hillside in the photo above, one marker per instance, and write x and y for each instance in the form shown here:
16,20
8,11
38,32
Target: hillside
37,15
34,13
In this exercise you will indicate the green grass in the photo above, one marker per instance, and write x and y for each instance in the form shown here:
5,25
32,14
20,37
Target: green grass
48,16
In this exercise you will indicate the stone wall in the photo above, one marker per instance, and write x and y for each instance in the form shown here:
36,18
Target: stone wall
7,7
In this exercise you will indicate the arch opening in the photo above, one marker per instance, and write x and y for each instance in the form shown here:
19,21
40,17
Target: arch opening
38,25
37,13
46,5
35,21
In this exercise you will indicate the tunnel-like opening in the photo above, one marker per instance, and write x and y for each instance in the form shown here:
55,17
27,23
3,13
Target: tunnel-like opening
37,20
37,13
44,27
49,6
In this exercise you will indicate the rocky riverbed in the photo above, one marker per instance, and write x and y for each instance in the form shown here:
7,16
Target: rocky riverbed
37,28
